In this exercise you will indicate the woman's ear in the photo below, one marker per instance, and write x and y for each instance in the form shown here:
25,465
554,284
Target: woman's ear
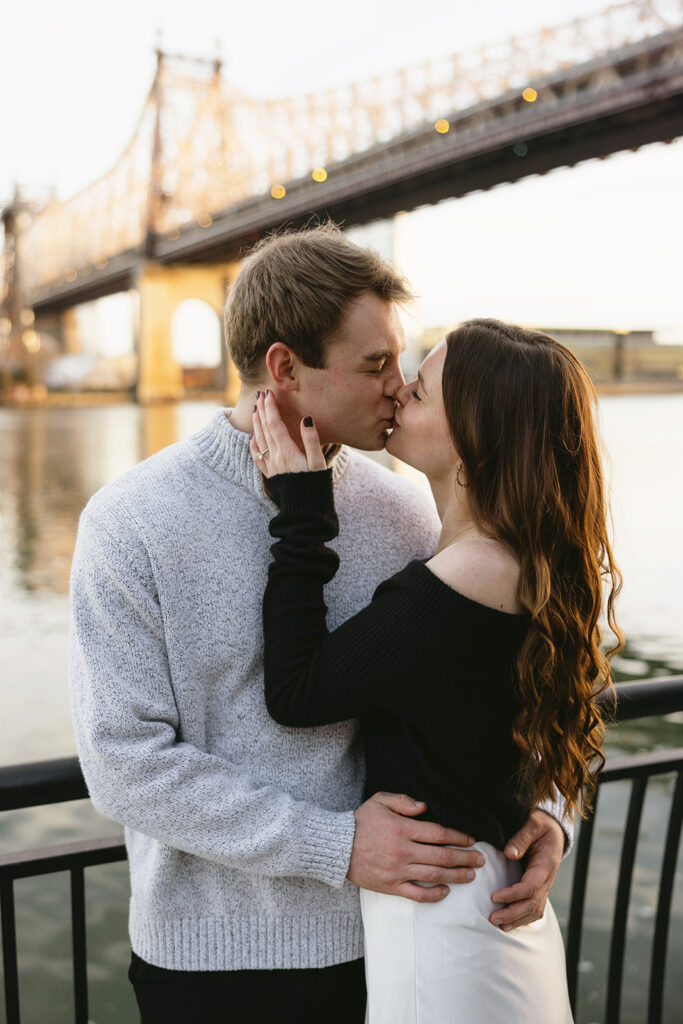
283,366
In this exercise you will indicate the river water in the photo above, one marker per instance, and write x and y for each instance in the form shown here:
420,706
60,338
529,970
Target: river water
52,460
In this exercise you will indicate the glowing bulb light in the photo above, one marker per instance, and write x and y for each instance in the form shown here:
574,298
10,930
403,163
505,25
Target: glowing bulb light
31,341
319,174
529,95
278,191
442,126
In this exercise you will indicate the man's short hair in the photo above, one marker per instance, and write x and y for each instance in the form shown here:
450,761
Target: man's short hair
294,287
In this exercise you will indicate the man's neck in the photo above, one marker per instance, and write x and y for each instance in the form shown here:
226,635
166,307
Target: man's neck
241,415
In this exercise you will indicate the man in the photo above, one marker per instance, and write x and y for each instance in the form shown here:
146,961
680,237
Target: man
247,840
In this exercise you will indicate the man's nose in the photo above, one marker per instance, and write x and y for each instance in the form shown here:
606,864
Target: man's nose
394,384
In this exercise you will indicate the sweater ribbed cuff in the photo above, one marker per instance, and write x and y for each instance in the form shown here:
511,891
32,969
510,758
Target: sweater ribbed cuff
303,492
326,843
556,809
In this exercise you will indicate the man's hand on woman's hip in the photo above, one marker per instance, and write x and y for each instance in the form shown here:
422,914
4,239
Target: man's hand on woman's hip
541,842
391,851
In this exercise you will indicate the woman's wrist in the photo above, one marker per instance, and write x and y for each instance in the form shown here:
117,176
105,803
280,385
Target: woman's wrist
305,492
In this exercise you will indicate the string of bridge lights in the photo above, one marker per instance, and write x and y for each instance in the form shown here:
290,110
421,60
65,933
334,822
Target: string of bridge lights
278,191
441,125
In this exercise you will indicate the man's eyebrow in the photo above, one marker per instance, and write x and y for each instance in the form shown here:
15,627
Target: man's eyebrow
422,383
375,357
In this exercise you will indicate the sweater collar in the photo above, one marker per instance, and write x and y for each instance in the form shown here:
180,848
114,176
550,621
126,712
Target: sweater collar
226,450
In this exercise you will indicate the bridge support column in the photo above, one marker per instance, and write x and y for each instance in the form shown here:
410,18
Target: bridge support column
161,290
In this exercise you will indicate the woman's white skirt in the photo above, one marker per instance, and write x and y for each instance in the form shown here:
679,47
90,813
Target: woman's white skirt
445,963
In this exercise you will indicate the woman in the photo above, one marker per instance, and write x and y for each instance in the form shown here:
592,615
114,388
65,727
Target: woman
475,675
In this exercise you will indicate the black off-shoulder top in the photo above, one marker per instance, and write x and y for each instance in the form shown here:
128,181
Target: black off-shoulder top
428,672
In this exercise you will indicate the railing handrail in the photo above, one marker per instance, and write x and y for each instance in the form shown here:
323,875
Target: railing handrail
663,697
41,782
50,782
633,766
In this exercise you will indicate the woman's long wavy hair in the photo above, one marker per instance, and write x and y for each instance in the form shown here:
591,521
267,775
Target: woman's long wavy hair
520,408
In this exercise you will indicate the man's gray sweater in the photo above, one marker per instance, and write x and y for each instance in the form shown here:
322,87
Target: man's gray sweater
239,831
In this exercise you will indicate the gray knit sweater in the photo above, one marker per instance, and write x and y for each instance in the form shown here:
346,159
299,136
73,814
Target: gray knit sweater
239,830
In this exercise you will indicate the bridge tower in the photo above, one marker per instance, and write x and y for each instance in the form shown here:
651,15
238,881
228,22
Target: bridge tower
162,289
18,342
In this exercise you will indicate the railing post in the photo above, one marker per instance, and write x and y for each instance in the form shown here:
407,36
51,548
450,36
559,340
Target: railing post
659,942
578,898
78,939
618,942
9,950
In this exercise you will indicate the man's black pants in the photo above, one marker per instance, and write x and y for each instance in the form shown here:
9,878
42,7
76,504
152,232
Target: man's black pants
324,995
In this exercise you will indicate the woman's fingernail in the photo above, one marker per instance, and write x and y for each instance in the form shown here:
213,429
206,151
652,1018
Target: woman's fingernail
258,393
498,923
470,875
267,392
513,851
480,860
308,421
254,408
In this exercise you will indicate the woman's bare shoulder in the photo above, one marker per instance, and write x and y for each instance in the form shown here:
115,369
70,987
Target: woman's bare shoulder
482,569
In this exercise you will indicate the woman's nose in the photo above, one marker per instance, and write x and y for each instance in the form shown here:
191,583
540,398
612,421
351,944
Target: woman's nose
402,394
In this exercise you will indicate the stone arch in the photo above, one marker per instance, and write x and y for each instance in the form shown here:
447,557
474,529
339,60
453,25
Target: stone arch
197,344
163,291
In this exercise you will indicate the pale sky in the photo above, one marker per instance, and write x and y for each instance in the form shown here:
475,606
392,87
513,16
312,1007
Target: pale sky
593,246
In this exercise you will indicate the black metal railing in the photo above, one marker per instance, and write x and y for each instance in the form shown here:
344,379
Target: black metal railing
47,782
639,699
638,769
33,785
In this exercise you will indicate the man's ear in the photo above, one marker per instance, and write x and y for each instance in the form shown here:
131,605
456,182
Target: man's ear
283,365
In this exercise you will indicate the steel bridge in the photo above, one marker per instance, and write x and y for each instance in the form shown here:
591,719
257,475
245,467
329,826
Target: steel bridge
209,170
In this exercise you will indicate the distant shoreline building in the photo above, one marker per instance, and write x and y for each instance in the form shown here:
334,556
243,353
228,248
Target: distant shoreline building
611,357
580,337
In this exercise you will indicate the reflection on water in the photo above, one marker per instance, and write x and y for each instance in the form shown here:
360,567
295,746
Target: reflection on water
52,460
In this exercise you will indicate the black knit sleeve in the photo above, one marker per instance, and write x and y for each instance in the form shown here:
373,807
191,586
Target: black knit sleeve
313,676
301,687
